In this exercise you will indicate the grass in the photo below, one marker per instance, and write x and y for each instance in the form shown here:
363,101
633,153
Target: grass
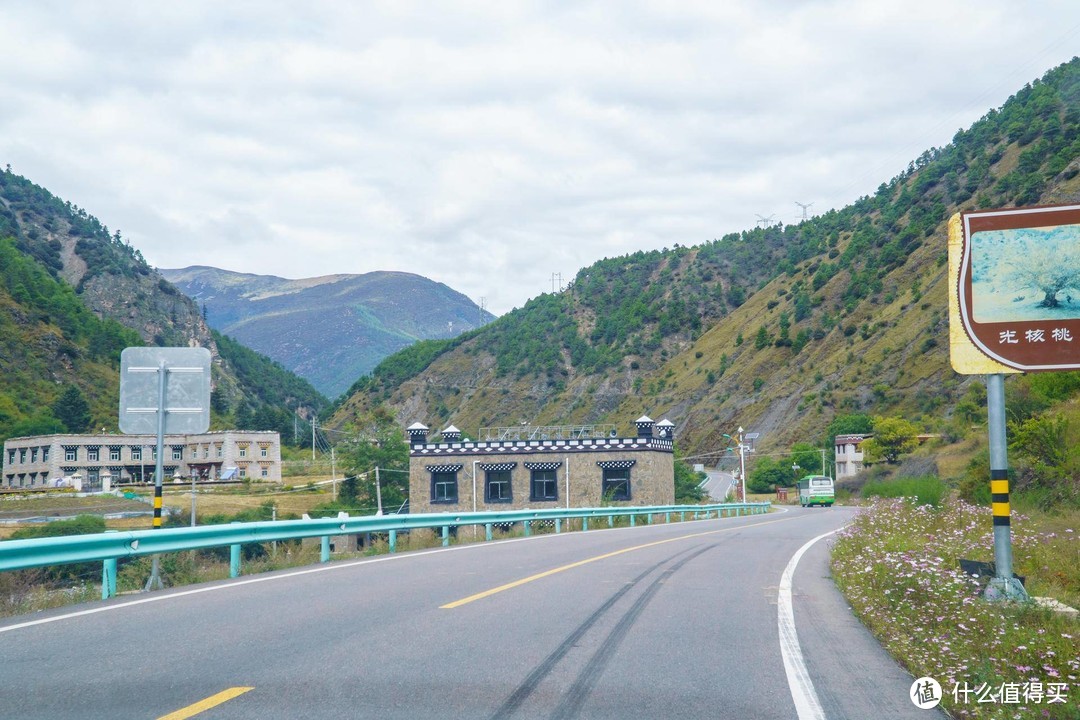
927,490
897,565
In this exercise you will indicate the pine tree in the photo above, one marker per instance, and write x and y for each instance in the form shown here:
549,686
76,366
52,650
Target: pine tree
72,410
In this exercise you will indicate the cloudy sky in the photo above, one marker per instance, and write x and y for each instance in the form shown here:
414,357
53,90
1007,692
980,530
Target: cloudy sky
490,145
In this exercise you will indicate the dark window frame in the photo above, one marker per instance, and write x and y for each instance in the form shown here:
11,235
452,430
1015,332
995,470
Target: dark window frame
504,477
447,479
611,482
535,481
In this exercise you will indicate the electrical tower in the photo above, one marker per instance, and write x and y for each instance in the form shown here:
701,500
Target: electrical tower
555,276
764,221
805,207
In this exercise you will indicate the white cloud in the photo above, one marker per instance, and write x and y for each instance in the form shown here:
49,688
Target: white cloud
489,145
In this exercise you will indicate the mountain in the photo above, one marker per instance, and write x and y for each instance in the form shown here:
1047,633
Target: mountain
329,330
778,329
73,295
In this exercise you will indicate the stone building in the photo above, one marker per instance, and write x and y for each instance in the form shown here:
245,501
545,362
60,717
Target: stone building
51,460
576,468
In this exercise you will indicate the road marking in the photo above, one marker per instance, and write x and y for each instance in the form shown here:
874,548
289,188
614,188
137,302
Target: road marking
579,563
204,705
802,687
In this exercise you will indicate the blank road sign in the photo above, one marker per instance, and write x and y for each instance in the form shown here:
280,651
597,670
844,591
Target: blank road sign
186,373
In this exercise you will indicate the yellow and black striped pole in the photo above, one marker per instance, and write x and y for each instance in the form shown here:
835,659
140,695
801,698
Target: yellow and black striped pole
157,505
1004,586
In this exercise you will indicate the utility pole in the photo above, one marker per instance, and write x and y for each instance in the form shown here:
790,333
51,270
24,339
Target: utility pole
742,463
313,438
378,492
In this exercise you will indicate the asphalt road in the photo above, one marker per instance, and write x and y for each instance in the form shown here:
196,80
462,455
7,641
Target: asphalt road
659,621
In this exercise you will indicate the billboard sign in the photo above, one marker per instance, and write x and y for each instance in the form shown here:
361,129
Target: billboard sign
1015,290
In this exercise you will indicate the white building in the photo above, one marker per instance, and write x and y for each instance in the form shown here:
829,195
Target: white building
849,458
42,461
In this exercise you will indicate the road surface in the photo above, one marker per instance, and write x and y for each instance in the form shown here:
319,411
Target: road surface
657,621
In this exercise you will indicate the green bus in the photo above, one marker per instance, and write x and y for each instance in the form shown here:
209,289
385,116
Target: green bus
816,490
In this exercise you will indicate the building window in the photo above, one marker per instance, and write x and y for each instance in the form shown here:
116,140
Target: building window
616,484
206,453
544,485
92,454
497,486
44,454
242,449
114,453
71,454
262,451
11,457
33,455
444,486
177,452
264,471
22,456
136,453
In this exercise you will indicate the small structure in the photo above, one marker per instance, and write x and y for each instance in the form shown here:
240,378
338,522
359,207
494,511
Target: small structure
849,458
576,468
30,462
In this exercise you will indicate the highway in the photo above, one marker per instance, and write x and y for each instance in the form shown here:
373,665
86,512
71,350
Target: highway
657,621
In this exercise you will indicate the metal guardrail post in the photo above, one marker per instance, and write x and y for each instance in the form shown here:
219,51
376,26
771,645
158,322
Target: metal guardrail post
234,561
584,524
682,516
324,548
392,541
611,521
108,579
632,518
487,531
108,576
558,525
667,518
446,536
528,528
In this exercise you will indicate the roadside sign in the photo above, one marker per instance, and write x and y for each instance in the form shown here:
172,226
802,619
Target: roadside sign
1014,290
183,374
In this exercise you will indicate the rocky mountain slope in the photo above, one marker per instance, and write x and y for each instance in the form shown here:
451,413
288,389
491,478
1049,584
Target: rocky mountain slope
329,330
777,330
72,287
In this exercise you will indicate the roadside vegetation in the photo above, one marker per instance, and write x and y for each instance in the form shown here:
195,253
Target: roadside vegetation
898,566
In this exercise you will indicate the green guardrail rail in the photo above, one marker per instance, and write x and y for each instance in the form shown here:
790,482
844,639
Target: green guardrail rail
110,546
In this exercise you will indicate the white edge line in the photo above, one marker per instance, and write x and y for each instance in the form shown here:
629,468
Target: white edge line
802,689
296,573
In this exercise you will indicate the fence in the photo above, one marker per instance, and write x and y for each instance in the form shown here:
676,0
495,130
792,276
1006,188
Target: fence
110,546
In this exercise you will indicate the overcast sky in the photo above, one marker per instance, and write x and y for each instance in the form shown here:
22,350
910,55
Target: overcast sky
489,145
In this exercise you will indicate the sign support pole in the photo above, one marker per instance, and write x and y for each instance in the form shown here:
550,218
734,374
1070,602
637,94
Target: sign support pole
155,563
1003,585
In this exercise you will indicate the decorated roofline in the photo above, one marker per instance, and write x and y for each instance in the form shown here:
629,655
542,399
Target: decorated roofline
521,447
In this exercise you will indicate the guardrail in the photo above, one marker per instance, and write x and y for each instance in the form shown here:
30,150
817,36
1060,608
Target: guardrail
110,546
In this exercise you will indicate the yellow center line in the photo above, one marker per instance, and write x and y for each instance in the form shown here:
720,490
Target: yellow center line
203,705
579,563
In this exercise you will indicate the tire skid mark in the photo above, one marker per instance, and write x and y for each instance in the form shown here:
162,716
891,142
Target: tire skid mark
597,663
570,706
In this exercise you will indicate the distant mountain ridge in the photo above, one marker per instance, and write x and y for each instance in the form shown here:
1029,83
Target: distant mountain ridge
333,329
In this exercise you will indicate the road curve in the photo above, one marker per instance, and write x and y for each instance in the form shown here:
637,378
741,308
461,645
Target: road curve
657,621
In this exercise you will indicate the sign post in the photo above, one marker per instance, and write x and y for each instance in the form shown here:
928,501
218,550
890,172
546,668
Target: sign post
1012,274
165,391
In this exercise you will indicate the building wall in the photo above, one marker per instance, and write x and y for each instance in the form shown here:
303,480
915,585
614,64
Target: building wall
849,458
39,461
652,475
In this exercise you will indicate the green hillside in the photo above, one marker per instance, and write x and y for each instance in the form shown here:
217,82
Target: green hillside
63,324
777,329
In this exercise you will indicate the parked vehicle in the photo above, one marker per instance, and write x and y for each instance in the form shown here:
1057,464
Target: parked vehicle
817,490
